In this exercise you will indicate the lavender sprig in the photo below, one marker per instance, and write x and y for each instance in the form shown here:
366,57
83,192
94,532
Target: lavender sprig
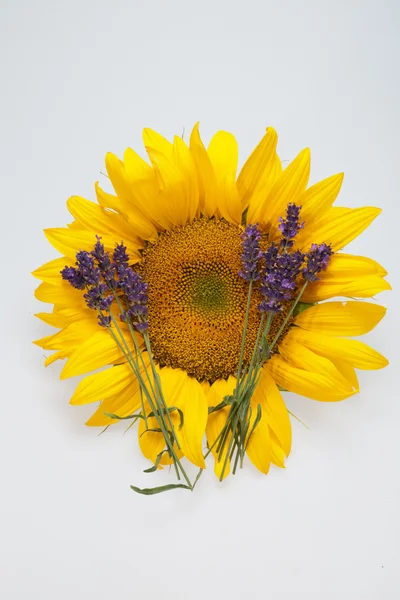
279,278
99,275
317,259
278,271
107,279
290,226
251,254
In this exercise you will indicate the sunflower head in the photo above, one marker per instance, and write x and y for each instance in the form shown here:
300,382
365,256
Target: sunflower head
197,277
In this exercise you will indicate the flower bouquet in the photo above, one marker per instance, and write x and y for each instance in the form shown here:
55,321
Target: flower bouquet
192,298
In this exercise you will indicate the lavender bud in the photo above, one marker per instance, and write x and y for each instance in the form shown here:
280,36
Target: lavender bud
317,259
279,279
104,320
290,226
251,253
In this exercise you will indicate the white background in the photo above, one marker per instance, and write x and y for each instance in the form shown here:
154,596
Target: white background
80,78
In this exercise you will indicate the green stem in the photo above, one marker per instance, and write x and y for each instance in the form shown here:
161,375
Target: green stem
282,327
246,321
136,368
137,349
152,406
231,442
158,385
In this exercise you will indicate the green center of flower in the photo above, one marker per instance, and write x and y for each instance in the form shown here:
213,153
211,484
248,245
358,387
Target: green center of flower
206,289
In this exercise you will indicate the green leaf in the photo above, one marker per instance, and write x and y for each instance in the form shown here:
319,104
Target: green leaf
160,489
199,474
256,422
264,348
301,307
155,430
228,400
155,466
114,416
170,410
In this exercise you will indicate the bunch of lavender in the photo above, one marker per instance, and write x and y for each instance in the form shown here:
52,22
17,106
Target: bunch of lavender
290,226
108,281
279,271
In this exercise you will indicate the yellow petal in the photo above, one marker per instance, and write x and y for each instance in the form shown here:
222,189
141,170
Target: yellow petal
194,407
277,454
151,442
70,336
347,371
341,318
187,168
144,188
269,397
217,420
302,357
123,404
205,174
55,356
100,220
61,317
318,198
50,271
51,319
61,293
287,188
357,287
356,353
76,225
155,140
258,446
317,386
259,173
96,352
105,384
346,266
223,153
340,226
70,241
187,394
108,200
176,177
141,225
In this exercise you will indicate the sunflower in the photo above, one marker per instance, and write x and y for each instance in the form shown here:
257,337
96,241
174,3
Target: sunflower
181,218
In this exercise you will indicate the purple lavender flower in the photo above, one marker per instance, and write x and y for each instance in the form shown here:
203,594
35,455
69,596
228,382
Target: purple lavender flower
317,259
279,278
84,273
104,320
96,297
290,226
135,296
251,253
120,256
96,273
106,267
87,268
74,277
